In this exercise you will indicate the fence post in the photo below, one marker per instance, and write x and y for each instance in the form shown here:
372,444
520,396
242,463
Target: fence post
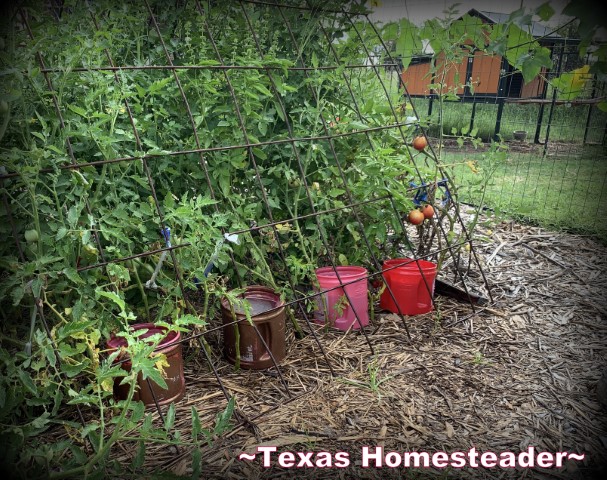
587,126
538,125
540,114
498,121
553,103
472,115
432,80
500,100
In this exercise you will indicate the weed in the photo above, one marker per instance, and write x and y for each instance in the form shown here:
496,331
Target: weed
374,381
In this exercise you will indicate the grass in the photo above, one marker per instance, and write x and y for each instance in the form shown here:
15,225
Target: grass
566,125
561,190
565,189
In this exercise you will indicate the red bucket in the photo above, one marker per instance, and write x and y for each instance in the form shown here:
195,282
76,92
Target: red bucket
413,289
170,345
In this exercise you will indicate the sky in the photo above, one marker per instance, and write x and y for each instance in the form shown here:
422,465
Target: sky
419,10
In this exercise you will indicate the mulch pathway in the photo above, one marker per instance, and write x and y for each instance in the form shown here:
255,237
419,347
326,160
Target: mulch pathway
519,372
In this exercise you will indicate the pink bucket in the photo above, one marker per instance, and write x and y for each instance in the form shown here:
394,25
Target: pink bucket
333,306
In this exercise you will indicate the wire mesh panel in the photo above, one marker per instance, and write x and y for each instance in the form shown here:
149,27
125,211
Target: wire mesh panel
159,161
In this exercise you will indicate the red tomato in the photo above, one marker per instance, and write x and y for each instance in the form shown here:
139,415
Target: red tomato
419,143
416,217
428,211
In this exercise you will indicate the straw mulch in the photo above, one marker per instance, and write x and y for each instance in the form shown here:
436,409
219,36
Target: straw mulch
520,372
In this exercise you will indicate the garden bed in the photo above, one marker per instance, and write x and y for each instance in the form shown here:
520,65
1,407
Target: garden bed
521,372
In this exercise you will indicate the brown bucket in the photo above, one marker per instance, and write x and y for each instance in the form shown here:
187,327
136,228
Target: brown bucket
174,378
271,326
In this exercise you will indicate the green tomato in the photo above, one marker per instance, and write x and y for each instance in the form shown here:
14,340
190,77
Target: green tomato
31,236
90,249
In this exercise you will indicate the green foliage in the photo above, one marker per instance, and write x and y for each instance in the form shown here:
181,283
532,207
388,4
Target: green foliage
589,25
68,222
545,11
571,85
519,47
408,41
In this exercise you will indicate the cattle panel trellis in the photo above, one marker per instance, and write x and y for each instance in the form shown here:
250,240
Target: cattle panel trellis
158,157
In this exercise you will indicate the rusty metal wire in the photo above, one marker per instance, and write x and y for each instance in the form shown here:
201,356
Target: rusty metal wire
209,67
152,156
299,300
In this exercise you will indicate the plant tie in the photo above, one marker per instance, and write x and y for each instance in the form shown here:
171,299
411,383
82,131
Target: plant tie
226,236
166,234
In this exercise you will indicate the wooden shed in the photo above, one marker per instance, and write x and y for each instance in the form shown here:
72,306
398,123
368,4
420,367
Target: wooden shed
491,75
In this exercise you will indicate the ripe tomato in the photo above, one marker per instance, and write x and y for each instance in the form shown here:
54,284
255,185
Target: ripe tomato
416,217
419,143
428,211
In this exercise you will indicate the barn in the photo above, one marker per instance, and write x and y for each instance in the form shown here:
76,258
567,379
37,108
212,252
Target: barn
490,75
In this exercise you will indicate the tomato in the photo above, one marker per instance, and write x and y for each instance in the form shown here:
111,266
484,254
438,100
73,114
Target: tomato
419,143
90,249
428,211
416,217
31,236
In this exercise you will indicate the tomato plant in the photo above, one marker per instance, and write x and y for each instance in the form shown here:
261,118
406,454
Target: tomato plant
205,149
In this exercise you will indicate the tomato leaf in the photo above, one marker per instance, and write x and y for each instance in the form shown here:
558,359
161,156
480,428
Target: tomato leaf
79,110
27,382
408,42
570,85
545,11
169,420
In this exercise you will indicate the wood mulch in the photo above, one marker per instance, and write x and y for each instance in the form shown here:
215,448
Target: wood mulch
519,372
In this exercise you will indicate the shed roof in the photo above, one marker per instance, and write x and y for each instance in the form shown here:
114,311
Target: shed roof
537,29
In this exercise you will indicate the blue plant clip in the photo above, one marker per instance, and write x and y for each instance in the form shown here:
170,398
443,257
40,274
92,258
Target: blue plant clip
421,195
166,234
230,238
447,196
208,269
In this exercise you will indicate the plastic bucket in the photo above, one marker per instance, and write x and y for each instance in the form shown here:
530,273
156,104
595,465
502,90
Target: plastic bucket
333,306
409,287
271,327
170,346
